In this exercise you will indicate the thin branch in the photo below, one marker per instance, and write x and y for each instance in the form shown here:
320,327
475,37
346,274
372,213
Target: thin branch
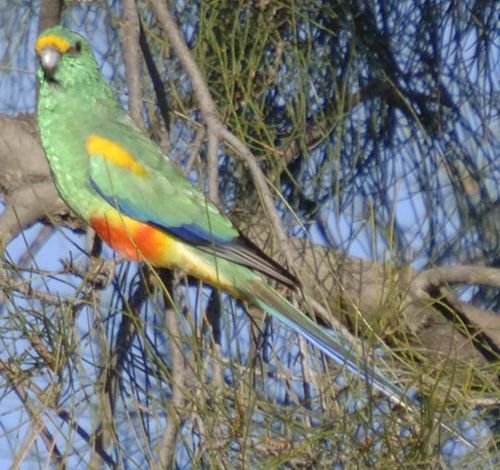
124,339
195,147
213,168
66,417
8,283
35,246
213,315
168,447
161,96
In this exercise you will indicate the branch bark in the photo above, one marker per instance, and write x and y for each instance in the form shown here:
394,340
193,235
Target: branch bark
26,185
130,36
449,275
50,14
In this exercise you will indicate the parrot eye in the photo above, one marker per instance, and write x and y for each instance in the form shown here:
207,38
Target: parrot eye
77,47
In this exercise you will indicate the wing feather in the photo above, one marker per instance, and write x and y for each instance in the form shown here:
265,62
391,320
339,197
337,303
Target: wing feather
155,192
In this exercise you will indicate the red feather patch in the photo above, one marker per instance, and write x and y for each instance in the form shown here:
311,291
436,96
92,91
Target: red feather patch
133,239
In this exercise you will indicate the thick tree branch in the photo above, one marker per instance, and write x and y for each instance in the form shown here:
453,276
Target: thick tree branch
486,341
481,323
449,275
26,206
27,187
351,287
50,13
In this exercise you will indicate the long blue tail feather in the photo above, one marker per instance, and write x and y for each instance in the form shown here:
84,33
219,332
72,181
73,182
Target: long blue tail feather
270,301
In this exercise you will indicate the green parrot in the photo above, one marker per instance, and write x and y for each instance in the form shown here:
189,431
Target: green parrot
117,179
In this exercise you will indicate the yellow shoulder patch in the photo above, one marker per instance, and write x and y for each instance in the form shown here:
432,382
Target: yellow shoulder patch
54,41
100,147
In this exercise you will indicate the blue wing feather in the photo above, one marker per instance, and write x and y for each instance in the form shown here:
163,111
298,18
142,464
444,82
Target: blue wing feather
190,233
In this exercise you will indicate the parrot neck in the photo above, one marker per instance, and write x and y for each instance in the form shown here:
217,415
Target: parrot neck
56,97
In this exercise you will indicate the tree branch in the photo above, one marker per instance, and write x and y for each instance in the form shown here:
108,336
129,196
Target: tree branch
50,14
26,183
130,36
465,274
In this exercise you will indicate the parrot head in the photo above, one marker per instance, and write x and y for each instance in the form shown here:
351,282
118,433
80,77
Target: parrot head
66,59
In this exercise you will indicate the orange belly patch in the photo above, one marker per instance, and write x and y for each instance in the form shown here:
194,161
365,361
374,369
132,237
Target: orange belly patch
140,241
133,239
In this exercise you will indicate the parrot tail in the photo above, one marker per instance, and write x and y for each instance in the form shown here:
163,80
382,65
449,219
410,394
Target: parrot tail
271,302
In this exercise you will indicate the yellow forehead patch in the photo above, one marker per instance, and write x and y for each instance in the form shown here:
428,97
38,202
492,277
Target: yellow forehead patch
54,41
100,147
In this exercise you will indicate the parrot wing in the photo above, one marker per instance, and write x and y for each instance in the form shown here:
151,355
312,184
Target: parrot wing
152,190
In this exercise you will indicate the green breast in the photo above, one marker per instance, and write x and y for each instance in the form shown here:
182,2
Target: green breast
63,139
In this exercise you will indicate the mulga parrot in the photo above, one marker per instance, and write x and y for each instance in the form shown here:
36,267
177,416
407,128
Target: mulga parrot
117,179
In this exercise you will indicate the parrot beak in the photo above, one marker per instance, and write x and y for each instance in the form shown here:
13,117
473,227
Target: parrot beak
49,59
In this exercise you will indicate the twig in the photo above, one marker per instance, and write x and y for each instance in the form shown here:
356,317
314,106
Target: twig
213,314
66,417
213,168
167,447
8,283
124,339
195,150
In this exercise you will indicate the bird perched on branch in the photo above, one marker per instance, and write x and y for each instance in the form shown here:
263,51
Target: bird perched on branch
117,179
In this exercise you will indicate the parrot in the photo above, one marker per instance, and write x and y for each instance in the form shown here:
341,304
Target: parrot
118,180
